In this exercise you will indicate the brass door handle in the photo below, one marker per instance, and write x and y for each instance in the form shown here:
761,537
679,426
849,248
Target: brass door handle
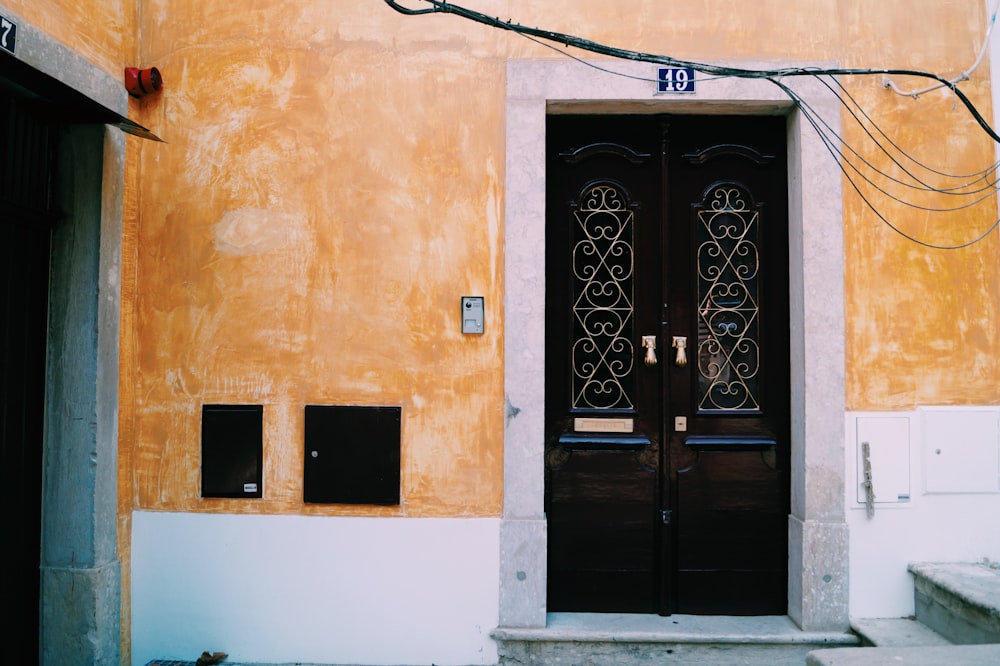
649,344
680,343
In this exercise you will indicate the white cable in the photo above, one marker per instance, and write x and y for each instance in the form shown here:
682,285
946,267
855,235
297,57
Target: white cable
964,76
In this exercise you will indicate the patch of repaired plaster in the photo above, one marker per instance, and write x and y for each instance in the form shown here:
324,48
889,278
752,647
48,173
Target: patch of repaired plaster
250,230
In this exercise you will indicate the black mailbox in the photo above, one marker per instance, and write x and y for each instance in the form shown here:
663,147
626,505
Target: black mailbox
352,454
231,450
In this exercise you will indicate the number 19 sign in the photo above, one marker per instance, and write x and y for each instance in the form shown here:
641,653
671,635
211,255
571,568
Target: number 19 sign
675,80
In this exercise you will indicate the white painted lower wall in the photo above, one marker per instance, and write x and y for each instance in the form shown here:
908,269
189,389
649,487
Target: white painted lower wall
331,590
946,460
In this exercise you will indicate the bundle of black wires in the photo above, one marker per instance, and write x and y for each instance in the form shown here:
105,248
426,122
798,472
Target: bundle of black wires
973,188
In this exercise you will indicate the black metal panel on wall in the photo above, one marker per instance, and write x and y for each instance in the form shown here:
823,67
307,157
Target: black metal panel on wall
232,450
352,454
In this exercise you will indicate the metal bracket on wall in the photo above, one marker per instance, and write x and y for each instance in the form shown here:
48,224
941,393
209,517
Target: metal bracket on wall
869,488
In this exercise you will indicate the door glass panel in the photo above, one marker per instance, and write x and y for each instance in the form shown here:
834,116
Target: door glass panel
728,268
602,300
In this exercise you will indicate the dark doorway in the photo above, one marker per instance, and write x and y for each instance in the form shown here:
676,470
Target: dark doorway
27,150
667,364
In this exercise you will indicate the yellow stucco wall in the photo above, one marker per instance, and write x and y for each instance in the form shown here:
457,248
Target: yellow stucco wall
102,31
305,237
922,323
332,184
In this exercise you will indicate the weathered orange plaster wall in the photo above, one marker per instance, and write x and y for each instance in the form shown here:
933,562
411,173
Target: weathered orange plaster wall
102,31
305,237
922,323
332,184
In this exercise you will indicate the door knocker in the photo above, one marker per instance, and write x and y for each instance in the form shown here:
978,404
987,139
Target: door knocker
649,344
680,344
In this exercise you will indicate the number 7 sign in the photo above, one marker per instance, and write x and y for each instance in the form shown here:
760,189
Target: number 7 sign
8,33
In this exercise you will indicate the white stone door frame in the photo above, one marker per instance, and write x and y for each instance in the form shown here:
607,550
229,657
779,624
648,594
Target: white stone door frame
817,547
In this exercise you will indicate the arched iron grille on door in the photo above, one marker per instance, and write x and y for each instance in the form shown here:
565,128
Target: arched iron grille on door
603,322
728,271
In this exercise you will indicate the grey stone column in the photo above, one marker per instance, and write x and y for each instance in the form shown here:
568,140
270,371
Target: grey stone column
80,571
523,539
817,531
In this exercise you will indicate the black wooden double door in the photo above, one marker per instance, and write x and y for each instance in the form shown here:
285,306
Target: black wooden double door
667,371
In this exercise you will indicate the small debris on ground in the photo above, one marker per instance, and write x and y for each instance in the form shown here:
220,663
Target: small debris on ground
207,658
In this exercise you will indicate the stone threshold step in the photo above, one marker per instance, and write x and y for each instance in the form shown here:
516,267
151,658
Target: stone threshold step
693,629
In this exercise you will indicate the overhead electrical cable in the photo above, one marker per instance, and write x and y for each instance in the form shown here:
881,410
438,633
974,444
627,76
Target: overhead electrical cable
825,131
440,6
855,167
971,177
854,109
918,184
965,75
807,113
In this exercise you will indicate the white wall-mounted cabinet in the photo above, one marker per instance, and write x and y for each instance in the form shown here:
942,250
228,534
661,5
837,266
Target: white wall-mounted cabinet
961,449
888,440
947,459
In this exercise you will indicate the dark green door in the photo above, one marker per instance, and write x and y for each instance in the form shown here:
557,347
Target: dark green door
667,364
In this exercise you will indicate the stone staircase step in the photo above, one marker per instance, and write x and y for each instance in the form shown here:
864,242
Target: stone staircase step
960,601
934,655
896,632
589,639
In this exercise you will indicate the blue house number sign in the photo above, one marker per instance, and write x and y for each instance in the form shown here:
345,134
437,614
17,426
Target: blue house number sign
675,80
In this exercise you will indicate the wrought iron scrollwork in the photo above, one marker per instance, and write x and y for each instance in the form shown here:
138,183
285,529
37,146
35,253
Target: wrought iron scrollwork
603,271
728,269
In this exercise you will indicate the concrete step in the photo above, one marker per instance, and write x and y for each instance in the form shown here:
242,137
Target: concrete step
955,603
592,639
896,632
960,601
934,655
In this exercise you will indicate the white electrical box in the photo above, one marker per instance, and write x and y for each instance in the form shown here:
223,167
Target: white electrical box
888,439
473,314
961,450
